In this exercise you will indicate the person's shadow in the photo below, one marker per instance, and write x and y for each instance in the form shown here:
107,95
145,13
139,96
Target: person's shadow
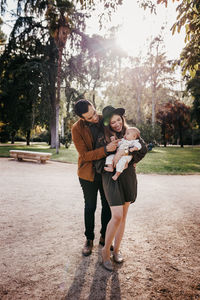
99,286
75,289
100,283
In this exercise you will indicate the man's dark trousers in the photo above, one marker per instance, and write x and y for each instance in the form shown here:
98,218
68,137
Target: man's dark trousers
90,190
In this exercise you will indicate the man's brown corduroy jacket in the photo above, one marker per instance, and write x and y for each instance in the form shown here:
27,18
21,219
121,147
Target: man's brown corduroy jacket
82,138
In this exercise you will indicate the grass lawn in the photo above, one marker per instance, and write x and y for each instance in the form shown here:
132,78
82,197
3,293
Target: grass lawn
65,155
170,160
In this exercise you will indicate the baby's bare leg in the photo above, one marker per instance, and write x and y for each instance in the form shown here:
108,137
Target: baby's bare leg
109,168
114,177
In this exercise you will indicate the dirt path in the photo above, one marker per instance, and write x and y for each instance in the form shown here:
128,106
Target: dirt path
41,236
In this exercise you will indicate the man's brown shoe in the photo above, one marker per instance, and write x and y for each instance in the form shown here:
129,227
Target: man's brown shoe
87,249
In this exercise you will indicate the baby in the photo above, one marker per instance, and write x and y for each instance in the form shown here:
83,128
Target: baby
129,141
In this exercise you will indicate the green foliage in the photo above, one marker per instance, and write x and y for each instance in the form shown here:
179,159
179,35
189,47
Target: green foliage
188,17
174,119
193,85
4,134
181,117
67,139
164,118
149,133
143,84
21,89
26,70
42,137
196,111
2,35
84,73
192,136
19,137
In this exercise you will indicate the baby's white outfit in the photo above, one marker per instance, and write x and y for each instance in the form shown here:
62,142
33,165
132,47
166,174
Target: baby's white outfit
123,144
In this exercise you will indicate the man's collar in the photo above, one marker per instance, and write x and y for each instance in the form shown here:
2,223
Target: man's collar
90,124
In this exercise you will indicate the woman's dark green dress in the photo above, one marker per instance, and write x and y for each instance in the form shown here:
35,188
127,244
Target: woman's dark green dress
124,189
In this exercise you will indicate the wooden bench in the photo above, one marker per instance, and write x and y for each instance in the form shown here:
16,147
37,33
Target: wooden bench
21,154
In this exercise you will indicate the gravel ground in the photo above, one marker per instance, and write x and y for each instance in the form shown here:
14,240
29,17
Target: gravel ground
41,236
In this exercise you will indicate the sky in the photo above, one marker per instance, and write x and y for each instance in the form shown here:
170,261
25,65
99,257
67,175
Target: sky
137,27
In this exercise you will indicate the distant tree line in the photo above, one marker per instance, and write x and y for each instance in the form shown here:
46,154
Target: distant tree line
50,62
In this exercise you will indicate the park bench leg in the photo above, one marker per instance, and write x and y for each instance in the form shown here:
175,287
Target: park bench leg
43,161
19,159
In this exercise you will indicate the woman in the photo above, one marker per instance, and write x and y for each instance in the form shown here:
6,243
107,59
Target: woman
119,193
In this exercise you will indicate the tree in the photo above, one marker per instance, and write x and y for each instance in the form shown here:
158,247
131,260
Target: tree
60,19
181,119
160,71
137,83
21,85
174,119
164,118
64,21
2,35
189,17
33,73
34,55
11,99
137,77
193,85
83,73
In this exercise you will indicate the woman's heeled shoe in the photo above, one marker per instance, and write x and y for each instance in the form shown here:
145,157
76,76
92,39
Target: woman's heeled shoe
107,265
117,257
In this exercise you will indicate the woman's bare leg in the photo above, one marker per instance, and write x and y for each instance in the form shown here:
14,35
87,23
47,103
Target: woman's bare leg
112,227
120,231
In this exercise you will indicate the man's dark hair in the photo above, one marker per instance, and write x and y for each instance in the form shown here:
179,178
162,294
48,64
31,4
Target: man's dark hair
81,107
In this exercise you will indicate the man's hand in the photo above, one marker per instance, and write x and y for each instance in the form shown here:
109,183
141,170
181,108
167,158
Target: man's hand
112,138
117,157
112,146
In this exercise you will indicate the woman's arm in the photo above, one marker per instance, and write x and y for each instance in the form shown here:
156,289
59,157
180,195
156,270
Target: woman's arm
138,155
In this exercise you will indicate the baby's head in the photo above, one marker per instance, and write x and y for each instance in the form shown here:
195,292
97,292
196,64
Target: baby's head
132,133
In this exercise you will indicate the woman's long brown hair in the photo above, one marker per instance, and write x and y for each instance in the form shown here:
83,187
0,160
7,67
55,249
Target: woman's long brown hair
108,131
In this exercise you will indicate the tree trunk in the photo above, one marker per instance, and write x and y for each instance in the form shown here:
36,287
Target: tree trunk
181,135
58,97
57,126
93,92
62,128
53,130
52,91
164,135
138,108
153,107
28,136
59,40
93,99
13,137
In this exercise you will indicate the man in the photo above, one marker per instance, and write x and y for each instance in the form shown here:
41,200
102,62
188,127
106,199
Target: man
84,134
